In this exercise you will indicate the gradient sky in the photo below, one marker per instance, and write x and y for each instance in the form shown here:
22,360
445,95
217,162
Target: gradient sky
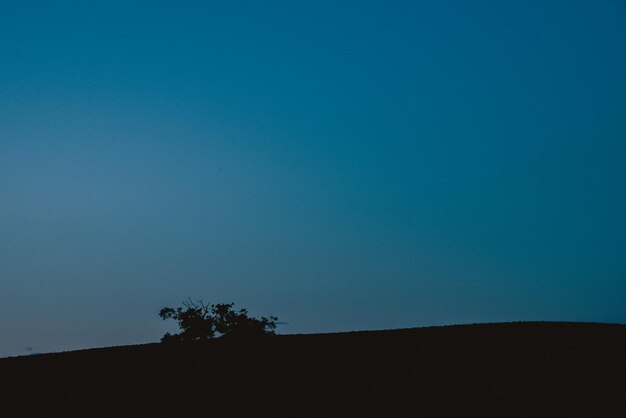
343,165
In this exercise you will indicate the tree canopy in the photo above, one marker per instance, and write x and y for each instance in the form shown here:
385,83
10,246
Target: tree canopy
199,322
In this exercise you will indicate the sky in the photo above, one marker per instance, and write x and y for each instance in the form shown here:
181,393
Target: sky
341,165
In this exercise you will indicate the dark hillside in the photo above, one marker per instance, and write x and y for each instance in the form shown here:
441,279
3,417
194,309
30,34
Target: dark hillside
515,369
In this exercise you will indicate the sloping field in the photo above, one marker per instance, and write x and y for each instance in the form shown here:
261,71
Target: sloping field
512,369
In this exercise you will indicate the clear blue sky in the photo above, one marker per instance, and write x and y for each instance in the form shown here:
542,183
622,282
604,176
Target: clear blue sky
343,165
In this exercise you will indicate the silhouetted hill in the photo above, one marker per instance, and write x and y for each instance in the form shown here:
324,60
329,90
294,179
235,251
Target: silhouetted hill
513,369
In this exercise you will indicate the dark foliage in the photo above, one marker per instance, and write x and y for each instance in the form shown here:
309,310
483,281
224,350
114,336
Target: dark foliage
200,322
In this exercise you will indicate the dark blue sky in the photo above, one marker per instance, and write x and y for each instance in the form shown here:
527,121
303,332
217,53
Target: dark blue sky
343,165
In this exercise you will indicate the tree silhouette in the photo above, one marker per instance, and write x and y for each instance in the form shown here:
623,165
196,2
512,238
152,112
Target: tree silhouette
200,322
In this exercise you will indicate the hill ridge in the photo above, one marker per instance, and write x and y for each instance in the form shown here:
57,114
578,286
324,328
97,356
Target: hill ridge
520,369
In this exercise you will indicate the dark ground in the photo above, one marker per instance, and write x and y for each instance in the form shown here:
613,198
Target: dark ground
514,369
